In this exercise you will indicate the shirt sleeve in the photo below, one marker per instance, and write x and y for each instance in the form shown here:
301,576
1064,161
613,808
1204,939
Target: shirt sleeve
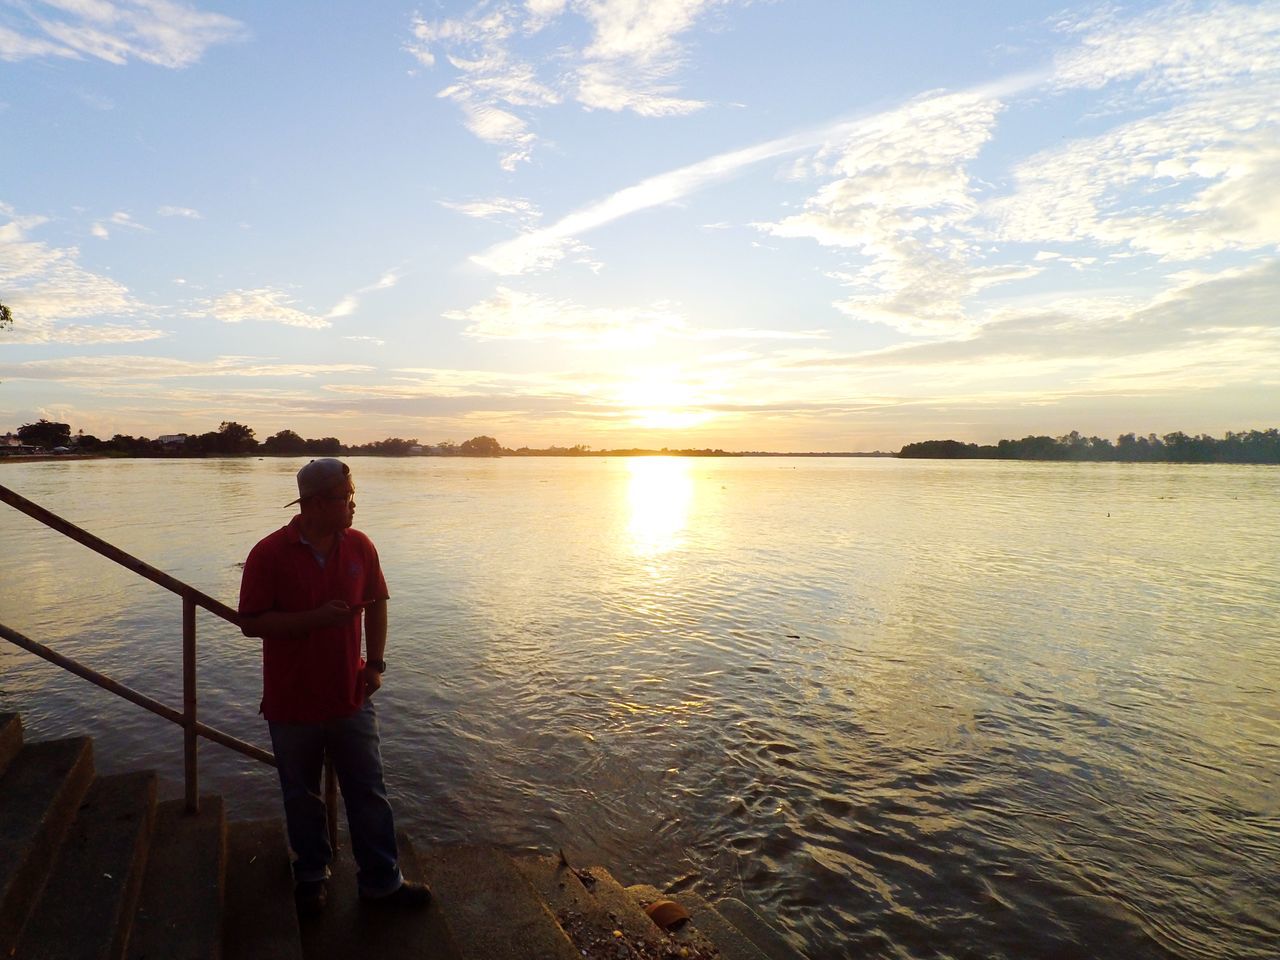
375,586
258,583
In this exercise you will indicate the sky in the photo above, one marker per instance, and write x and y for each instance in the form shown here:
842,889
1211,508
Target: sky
787,225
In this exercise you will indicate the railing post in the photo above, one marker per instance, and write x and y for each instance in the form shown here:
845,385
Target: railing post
191,775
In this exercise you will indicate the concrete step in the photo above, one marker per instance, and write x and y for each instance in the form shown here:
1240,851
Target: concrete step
733,943
10,738
704,925
596,912
259,922
757,930
491,909
39,795
349,928
179,915
88,903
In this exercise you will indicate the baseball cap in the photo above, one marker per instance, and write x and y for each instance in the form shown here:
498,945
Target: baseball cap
318,476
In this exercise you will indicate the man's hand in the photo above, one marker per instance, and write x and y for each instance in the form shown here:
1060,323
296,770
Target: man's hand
333,612
372,682
277,622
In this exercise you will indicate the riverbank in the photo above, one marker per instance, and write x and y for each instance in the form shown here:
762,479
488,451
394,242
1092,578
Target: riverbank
38,457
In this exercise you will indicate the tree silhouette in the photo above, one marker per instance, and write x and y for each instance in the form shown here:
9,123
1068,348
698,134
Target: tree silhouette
45,433
236,437
481,447
284,442
6,316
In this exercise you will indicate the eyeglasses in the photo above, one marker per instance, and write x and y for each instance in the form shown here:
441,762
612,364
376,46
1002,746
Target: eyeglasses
348,497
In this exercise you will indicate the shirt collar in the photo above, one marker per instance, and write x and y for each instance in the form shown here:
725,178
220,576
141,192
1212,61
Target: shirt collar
294,530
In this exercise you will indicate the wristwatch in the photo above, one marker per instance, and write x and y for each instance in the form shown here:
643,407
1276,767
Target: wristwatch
379,665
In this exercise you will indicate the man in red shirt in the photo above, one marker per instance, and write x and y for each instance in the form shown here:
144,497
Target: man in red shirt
303,592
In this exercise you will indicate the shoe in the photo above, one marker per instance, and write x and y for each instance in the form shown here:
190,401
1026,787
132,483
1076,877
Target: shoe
310,897
407,896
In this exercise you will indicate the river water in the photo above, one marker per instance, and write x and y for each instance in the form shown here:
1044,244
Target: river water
904,708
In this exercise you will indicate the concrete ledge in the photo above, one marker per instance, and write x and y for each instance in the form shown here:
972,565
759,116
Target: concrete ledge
39,796
10,739
259,922
733,944
179,913
689,935
492,910
87,906
755,928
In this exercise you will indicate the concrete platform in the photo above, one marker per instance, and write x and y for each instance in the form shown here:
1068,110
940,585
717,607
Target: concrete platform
349,928
92,869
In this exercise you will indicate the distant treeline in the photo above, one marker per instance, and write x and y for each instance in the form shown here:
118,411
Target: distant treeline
1254,446
232,439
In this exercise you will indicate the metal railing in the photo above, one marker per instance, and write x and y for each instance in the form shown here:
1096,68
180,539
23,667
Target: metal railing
188,717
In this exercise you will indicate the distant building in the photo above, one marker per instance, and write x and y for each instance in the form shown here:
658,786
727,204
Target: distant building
10,444
172,439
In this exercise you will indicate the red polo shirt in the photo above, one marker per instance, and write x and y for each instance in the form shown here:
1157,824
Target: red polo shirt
308,678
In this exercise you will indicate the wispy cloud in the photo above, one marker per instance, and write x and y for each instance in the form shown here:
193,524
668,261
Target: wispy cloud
1182,184
187,212
161,32
1202,331
1175,49
511,211
117,219
48,287
348,304
629,63
490,81
146,368
262,305
515,315
634,55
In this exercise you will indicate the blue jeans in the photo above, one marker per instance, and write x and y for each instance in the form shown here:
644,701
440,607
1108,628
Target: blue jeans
352,742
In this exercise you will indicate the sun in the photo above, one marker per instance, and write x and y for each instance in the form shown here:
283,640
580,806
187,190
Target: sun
662,401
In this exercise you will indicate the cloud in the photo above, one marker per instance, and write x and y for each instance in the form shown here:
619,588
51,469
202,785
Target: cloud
263,305
629,62
348,304
901,198
507,210
186,212
490,81
46,287
160,32
539,249
633,54
1177,48
1189,182
438,382
515,315
1176,332
144,368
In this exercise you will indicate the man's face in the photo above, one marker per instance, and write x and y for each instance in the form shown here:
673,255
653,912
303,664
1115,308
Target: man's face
336,507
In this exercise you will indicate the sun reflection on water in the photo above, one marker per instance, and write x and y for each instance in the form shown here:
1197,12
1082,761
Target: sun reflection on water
660,493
